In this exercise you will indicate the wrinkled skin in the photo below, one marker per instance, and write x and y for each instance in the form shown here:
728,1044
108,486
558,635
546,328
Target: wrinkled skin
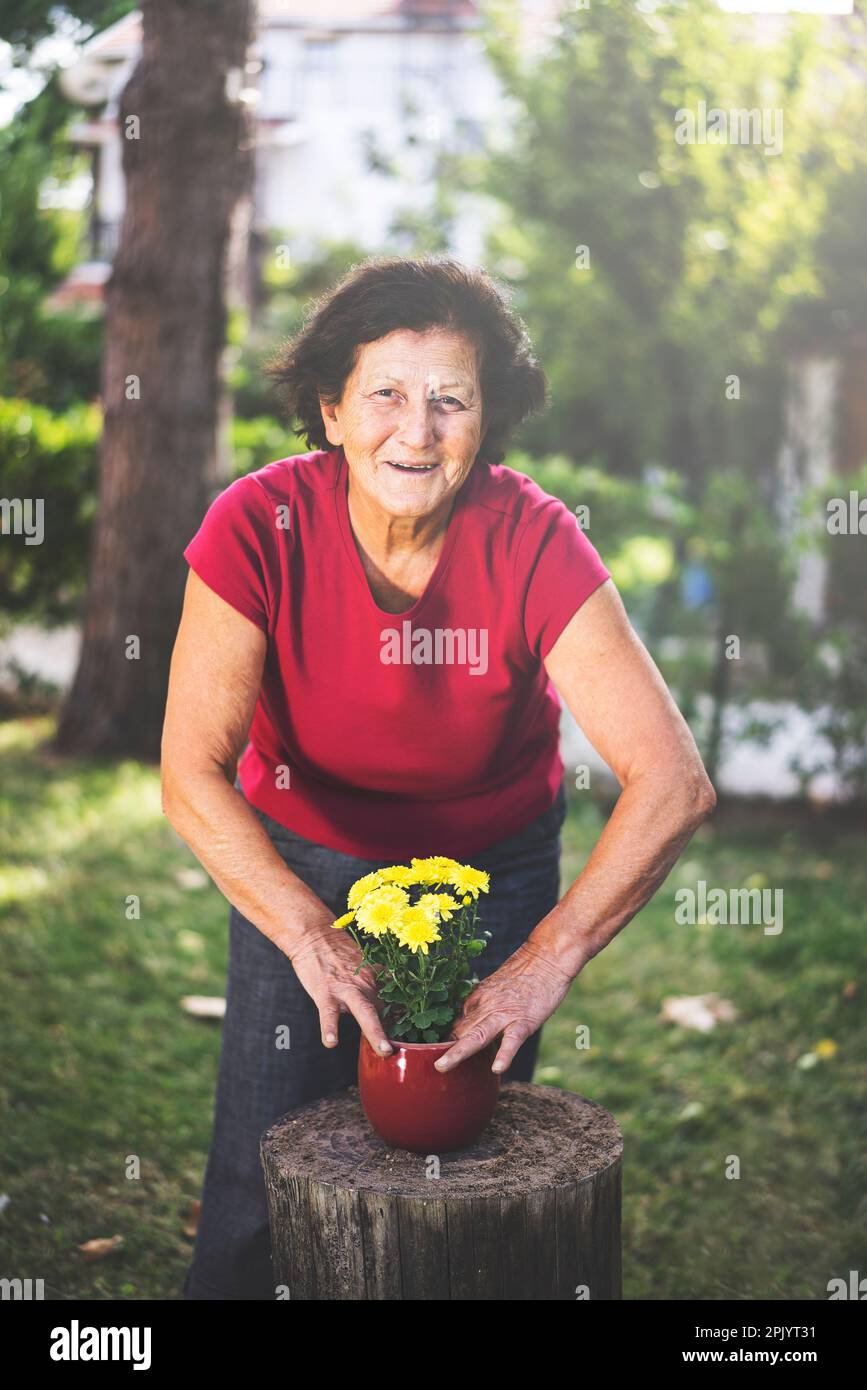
325,964
514,1001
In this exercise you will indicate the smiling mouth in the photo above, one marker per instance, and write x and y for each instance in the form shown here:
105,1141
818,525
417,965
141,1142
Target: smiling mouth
412,467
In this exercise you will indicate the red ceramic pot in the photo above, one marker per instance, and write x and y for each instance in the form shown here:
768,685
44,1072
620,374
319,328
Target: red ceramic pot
413,1106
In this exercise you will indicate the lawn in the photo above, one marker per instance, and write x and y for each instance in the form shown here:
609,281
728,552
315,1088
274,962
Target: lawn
100,1065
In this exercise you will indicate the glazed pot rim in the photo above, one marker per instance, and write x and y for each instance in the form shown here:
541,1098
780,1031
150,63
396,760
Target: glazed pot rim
422,1047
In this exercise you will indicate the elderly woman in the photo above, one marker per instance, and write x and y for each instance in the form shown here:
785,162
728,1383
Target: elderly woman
381,630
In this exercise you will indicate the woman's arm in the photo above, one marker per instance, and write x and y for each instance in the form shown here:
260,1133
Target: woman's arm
214,682
618,697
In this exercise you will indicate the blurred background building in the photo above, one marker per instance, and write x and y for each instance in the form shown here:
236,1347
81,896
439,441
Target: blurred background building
341,88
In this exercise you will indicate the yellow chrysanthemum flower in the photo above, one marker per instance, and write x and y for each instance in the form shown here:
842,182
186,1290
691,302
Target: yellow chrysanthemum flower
468,880
826,1048
415,929
435,869
441,906
399,873
344,920
380,908
361,887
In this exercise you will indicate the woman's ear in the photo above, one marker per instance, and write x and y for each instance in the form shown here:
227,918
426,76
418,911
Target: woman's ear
333,431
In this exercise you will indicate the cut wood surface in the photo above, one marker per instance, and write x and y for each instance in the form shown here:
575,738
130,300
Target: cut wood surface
531,1211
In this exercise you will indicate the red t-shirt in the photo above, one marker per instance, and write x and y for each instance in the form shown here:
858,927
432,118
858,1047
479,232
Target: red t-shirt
387,735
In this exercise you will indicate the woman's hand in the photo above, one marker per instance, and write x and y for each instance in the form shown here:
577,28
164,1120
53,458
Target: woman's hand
325,962
514,1001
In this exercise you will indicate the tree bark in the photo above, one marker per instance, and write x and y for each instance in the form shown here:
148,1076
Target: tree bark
187,159
529,1212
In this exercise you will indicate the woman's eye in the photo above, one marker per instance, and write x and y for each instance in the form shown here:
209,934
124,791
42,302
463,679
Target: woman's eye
389,392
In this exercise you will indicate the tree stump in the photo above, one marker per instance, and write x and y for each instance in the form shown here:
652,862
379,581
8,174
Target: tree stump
531,1211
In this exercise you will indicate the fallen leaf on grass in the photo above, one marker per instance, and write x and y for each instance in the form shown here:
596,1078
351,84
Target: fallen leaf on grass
191,878
204,1005
699,1011
691,1111
101,1247
552,1075
755,881
192,1225
191,941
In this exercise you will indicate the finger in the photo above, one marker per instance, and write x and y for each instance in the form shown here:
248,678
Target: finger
469,1043
329,1018
475,1006
368,1021
513,1036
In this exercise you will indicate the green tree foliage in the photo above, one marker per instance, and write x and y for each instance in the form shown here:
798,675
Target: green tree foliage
24,22
50,459
52,359
696,252
661,278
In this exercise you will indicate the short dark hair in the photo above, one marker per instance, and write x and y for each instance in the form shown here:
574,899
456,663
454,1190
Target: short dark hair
385,293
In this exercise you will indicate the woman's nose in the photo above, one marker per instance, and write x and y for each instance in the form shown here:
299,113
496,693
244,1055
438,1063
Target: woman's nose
417,423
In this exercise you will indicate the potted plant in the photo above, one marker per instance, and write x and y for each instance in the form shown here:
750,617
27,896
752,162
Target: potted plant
416,928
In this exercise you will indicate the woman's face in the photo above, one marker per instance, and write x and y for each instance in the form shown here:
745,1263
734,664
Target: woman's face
410,419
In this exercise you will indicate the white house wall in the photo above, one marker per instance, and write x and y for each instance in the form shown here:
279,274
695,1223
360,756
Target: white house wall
319,99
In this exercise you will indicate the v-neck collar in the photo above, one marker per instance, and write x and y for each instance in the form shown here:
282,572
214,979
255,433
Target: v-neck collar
341,498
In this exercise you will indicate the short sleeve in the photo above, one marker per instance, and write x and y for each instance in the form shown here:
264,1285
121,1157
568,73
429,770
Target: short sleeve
233,550
556,569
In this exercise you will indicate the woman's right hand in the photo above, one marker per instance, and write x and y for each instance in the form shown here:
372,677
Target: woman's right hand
325,962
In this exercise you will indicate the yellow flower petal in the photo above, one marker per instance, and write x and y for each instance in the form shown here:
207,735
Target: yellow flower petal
400,874
416,929
380,909
361,887
464,879
436,868
441,906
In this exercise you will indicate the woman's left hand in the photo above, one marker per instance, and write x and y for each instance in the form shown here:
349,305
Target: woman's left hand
515,1001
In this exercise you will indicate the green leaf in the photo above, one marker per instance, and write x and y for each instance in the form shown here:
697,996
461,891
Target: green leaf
431,1035
443,1014
464,988
476,946
424,1019
401,1028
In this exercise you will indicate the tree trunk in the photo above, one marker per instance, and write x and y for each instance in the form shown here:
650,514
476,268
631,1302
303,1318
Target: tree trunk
529,1212
187,158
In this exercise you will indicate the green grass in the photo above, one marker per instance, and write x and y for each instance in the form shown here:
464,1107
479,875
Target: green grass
99,1062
